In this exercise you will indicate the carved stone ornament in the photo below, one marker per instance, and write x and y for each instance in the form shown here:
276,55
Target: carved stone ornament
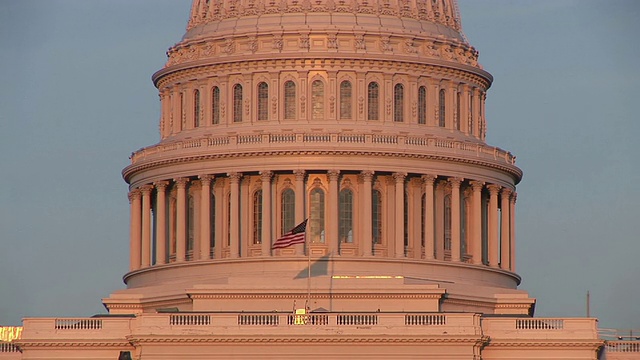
304,41
332,41
278,43
385,44
253,44
409,47
229,46
359,43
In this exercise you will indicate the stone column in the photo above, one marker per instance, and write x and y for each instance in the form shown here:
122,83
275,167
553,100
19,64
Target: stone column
135,230
505,241
493,224
450,102
146,224
181,216
367,236
300,195
399,235
332,226
266,212
439,220
234,231
429,216
205,216
512,237
161,222
455,219
475,112
476,216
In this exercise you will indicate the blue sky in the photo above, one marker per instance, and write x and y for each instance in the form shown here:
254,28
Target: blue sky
76,99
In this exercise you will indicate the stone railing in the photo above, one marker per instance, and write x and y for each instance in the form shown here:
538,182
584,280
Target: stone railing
8,348
319,141
85,328
622,346
540,328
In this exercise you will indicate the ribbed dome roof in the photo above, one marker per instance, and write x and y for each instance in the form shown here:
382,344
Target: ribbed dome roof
433,18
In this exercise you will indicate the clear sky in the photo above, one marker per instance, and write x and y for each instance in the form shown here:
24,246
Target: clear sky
76,99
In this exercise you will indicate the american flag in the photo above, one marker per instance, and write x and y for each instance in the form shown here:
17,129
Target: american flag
295,236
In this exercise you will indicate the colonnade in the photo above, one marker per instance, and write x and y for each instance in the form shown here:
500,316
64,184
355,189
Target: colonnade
447,218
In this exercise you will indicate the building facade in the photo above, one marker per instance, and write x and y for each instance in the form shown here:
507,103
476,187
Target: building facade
367,119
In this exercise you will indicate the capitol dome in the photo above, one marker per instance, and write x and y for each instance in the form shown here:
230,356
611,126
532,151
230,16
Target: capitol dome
367,119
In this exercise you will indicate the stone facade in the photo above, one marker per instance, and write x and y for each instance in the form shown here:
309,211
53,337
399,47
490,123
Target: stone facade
367,119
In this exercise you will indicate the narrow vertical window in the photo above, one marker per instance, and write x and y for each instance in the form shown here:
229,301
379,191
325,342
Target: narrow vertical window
263,101
447,222
345,214
237,103
458,115
422,105
471,114
406,221
317,100
196,108
181,114
345,100
191,219
465,226
257,217
442,108
372,101
229,220
316,215
288,211
398,103
289,100
215,105
376,216
212,222
423,213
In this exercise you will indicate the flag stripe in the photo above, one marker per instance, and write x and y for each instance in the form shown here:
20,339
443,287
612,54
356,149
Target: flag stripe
293,237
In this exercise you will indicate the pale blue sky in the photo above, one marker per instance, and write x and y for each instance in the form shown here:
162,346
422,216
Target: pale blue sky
76,99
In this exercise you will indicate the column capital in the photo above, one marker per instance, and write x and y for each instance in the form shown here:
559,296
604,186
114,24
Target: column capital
506,192
366,175
134,194
333,175
181,183
477,185
205,179
493,189
399,177
146,189
161,185
299,174
234,177
455,182
266,175
428,179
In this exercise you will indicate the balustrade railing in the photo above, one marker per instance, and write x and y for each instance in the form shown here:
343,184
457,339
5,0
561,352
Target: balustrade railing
540,324
425,319
357,319
8,348
623,346
78,324
258,319
393,141
190,320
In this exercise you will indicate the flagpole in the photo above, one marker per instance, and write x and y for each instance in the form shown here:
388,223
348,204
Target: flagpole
308,271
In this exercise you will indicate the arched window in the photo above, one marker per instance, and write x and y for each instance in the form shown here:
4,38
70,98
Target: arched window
345,216
442,108
212,224
398,103
215,105
257,217
182,119
373,105
376,216
422,105
263,101
458,115
316,215
191,221
237,103
447,222
289,100
196,108
345,100
288,211
173,218
317,100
